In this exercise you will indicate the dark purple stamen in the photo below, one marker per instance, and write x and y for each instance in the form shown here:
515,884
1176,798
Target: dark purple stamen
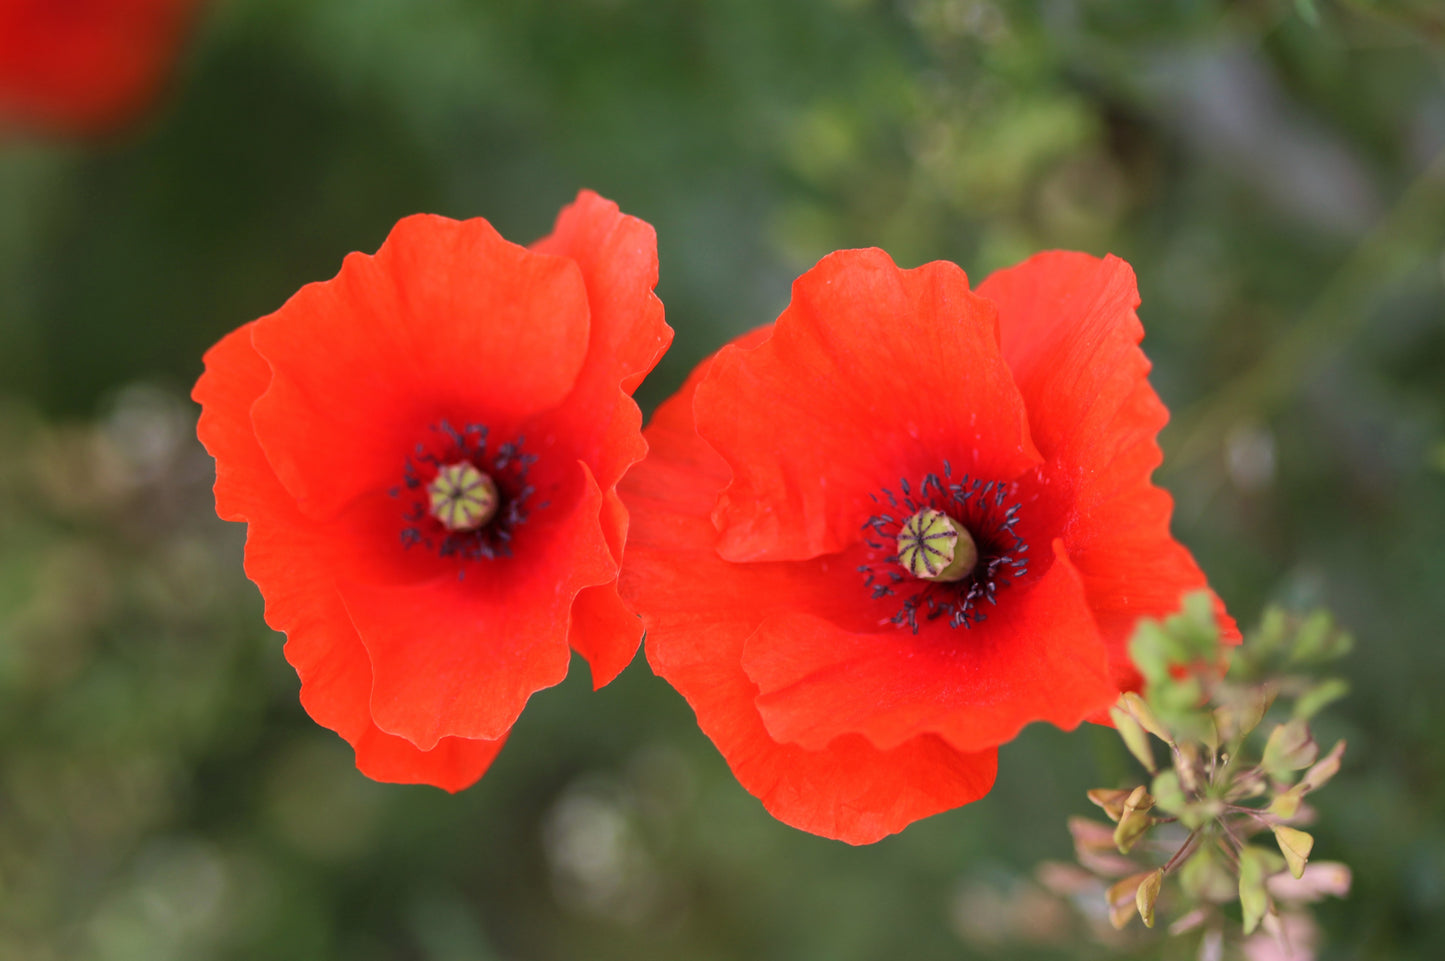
506,464
980,506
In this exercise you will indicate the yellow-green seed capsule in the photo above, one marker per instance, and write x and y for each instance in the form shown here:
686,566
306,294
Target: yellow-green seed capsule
934,547
462,497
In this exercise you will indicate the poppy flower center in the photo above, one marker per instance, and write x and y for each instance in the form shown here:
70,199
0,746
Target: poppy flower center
945,548
934,547
462,497
465,498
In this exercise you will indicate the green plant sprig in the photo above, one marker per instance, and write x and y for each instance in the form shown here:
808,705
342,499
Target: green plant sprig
1242,759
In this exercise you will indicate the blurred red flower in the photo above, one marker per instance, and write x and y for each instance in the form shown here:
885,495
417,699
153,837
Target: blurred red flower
426,450
85,65
873,541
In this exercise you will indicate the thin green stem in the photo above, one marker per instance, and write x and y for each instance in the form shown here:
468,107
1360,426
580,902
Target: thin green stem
1184,851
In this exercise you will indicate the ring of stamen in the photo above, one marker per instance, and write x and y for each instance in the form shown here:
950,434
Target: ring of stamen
466,496
970,522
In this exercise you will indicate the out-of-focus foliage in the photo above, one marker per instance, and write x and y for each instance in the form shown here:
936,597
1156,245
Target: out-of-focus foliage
1272,168
1241,761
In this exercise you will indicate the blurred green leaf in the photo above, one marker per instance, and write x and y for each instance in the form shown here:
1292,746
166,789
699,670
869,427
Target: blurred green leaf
1290,747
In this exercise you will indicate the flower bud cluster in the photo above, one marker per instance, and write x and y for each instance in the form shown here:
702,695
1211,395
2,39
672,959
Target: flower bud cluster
1220,821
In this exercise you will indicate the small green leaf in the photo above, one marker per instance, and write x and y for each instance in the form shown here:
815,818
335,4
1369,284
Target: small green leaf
1271,634
1307,12
1253,899
1178,703
1135,706
1255,704
1145,896
1205,877
1122,899
1134,737
1189,637
1295,845
1310,635
1131,828
1319,640
1111,800
1290,747
1286,805
1319,696
1134,820
1168,794
1149,650
1195,628
1328,766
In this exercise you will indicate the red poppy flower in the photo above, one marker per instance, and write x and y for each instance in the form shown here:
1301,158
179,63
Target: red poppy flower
85,65
426,450
874,540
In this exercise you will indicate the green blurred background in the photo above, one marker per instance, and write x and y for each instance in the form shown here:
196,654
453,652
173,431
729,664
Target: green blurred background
1273,170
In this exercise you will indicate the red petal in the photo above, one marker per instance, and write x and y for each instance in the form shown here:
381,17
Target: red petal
604,630
617,255
599,422
1070,334
1041,660
699,610
336,689
872,374
289,557
460,657
455,764
286,554
1142,572
234,377
447,321
618,258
